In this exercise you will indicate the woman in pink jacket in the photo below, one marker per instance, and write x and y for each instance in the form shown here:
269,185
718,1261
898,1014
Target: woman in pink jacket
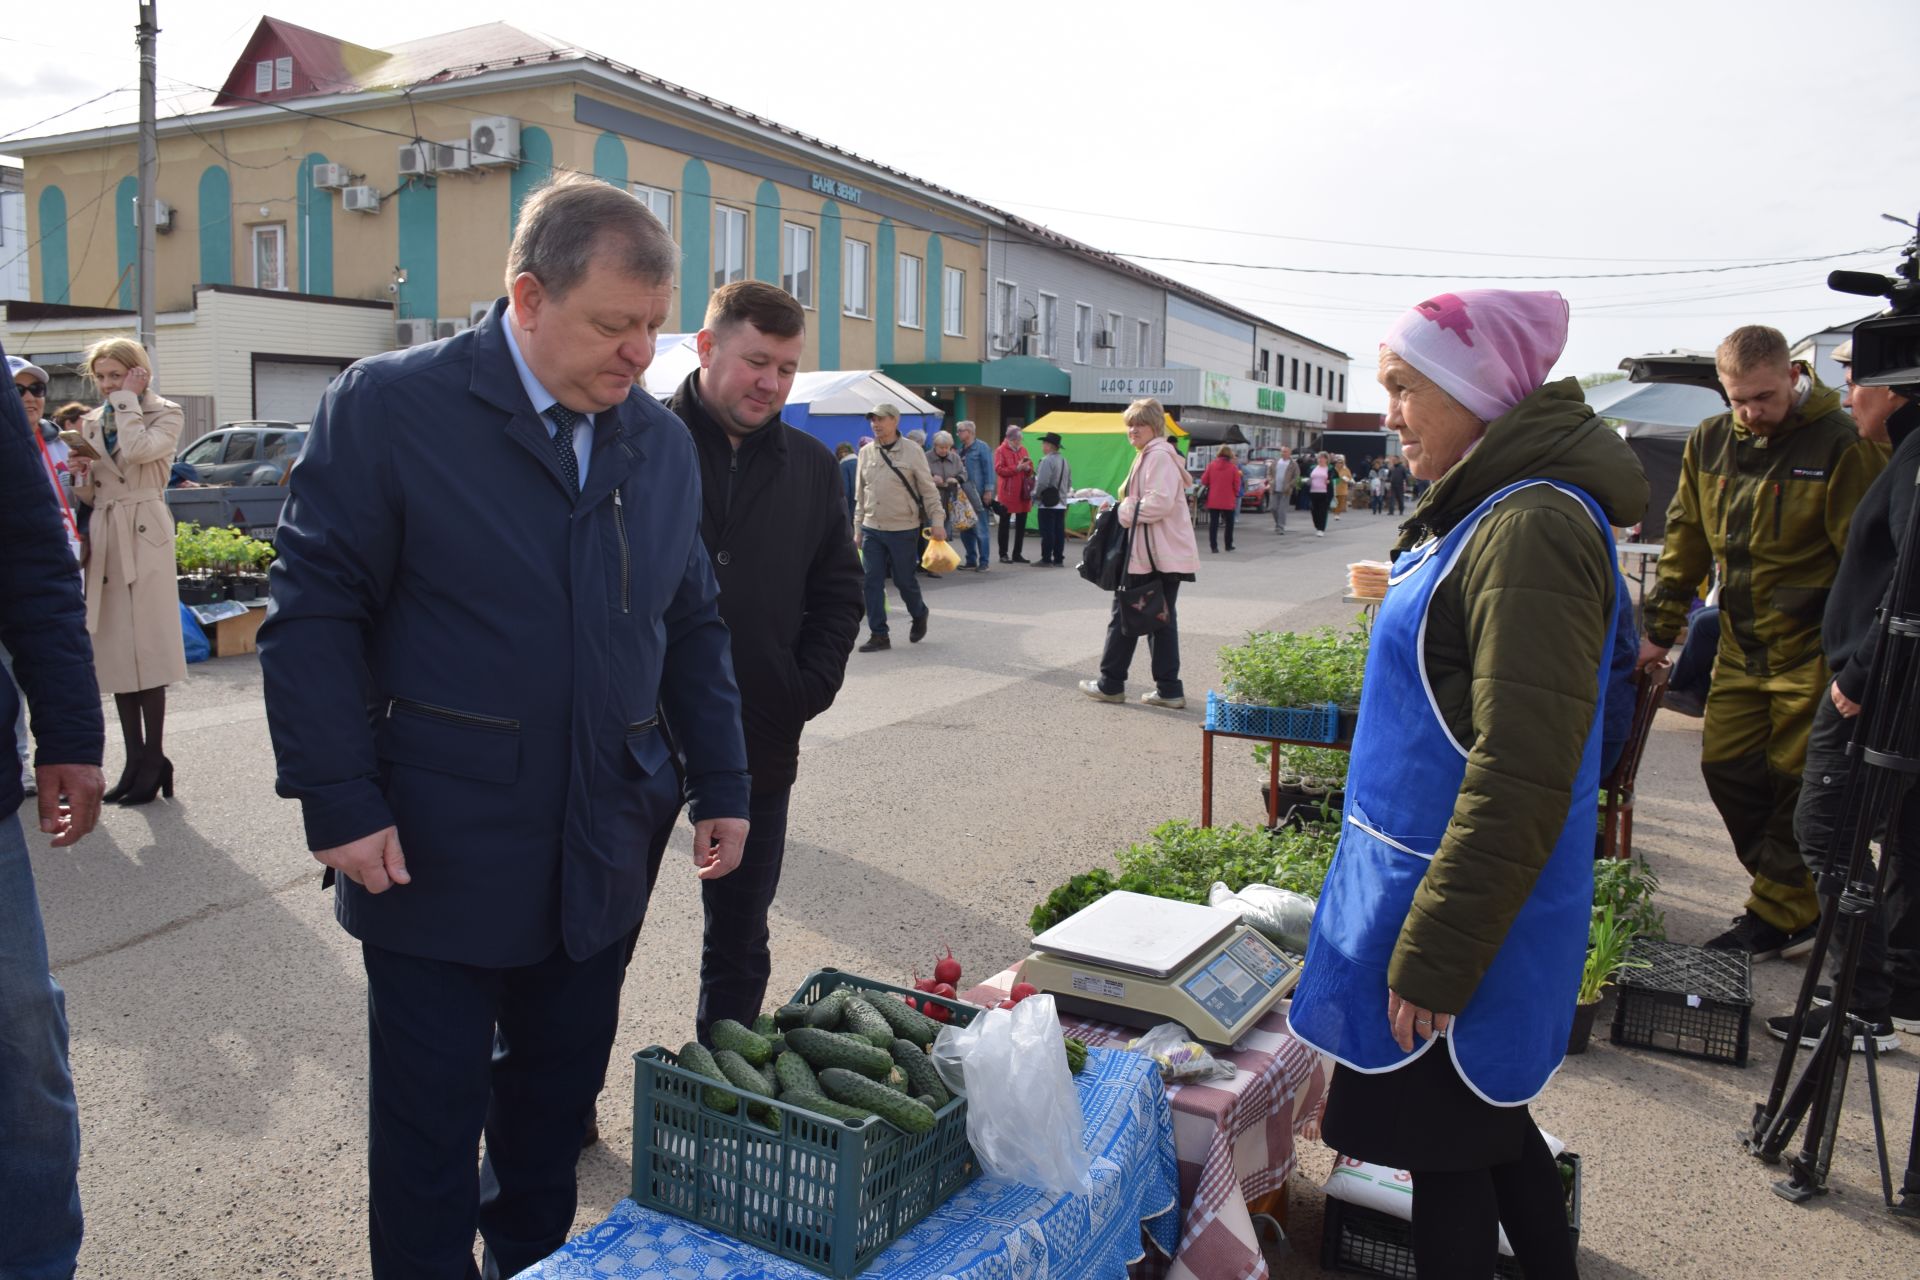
1153,505
1223,482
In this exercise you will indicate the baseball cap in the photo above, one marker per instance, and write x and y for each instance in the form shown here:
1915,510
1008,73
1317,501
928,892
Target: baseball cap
1843,354
883,411
16,366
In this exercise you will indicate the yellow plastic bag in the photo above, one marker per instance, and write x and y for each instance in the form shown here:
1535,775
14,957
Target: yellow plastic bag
939,557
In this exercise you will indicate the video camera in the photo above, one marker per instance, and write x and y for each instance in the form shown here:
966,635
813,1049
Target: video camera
1886,349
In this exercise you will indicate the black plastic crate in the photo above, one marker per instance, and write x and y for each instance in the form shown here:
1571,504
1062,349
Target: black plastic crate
1370,1243
1691,1000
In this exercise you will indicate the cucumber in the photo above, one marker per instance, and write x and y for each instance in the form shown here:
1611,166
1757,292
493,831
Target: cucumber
763,1026
773,1081
730,1035
694,1057
825,1016
746,1077
823,1049
820,1104
897,1081
789,1016
778,1043
922,1079
794,1075
907,1023
1076,1056
926,1100
897,1109
863,1020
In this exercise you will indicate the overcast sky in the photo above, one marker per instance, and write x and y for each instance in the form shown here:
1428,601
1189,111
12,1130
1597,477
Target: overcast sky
1477,138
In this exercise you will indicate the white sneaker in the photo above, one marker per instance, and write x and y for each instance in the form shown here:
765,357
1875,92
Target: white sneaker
1319,533
1092,689
1152,698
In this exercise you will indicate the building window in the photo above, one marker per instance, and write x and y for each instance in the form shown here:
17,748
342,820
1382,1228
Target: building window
1320,380
853,280
1113,338
659,202
729,245
953,302
909,291
270,256
1049,325
1006,312
796,262
1342,397
1082,333
1266,357
1144,352
283,73
1296,373
263,76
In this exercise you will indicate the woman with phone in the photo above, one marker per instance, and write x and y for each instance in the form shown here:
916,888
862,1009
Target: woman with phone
133,595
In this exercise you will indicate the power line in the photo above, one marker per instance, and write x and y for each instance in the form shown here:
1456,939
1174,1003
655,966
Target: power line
69,111
1452,275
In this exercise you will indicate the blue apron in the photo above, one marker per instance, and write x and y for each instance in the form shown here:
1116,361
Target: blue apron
1402,786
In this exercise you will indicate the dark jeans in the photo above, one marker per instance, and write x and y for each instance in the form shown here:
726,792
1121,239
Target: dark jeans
1397,500
734,960
1216,518
1053,535
1163,645
892,554
1890,952
1319,503
1378,500
1693,669
1017,522
456,1050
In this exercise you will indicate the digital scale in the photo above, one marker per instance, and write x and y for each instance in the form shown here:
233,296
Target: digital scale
1141,961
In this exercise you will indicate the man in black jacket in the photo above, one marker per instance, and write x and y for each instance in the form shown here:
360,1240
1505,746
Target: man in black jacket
791,592
1886,991
44,626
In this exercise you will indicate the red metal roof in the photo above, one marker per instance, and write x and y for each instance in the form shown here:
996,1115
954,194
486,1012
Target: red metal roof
321,64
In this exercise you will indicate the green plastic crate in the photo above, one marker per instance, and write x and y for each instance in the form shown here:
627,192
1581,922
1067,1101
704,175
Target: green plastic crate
829,1195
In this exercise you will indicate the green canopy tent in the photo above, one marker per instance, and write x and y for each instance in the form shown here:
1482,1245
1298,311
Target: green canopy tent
1097,451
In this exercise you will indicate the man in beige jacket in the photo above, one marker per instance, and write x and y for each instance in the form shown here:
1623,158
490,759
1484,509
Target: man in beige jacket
893,500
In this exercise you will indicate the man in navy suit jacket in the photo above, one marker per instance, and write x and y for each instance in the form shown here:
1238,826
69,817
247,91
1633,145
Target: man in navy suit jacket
490,586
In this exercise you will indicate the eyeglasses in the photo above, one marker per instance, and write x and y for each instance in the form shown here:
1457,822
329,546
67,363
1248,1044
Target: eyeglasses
31,388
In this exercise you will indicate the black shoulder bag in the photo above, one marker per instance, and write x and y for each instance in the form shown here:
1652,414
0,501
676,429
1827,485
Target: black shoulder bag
1103,558
1143,606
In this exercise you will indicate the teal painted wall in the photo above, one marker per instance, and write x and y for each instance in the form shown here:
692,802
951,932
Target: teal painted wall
932,316
315,250
126,238
826,287
884,297
420,250
54,281
766,234
216,225
536,162
696,244
609,159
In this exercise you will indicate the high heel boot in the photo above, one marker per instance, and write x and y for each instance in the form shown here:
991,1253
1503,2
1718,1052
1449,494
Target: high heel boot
151,782
128,705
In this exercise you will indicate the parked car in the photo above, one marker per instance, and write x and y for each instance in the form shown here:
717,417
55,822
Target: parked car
245,453
1255,495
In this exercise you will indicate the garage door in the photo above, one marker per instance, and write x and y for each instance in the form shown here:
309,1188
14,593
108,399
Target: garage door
289,392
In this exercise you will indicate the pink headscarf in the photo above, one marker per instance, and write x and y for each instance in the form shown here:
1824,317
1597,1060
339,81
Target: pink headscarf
1487,348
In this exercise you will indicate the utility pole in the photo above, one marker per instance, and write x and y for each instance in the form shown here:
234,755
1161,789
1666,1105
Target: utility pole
149,30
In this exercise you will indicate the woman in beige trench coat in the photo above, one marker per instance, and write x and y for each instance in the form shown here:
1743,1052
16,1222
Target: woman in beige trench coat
133,592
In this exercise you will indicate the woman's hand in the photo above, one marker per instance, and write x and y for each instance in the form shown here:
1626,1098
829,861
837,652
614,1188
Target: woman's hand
137,380
1409,1020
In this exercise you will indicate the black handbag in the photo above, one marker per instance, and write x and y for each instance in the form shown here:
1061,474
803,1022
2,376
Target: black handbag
1103,558
1143,606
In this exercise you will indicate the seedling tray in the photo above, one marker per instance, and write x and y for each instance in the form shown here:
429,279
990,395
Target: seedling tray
1318,723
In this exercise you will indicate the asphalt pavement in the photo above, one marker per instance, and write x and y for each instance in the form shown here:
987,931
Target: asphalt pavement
218,1011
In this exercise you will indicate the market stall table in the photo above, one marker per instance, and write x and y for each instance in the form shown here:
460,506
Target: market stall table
989,1230
1234,1138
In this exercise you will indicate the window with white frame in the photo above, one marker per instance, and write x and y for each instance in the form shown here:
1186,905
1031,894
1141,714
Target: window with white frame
1006,312
1113,338
1082,333
1342,397
658,201
909,313
283,73
1295,384
1049,325
729,245
953,302
263,76
796,262
1143,344
270,256
853,280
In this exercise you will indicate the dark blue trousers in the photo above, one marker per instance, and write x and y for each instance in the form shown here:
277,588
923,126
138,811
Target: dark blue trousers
456,1051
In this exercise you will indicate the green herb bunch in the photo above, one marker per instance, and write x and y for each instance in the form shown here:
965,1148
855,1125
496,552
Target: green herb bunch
1295,669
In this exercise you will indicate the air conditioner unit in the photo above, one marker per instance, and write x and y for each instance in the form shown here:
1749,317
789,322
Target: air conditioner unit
1031,326
477,312
447,326
1031,345
330,177
452,157
417,158
1103,338
411,333
360,199
1256,375
494,140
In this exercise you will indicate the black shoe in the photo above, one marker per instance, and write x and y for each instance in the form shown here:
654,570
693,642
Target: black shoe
1761,941
1880,1028
1021,560
1004,559
919,631
1685,702
158,781
981,567
119,788
875,644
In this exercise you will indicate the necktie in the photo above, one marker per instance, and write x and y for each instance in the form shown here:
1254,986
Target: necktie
564,418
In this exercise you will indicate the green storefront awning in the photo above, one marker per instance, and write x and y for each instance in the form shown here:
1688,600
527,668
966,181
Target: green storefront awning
1027,375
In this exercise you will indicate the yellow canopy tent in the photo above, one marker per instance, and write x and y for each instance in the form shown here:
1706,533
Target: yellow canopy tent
1097,451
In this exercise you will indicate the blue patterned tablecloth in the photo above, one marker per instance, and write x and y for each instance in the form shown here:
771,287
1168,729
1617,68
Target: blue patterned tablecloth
989,1230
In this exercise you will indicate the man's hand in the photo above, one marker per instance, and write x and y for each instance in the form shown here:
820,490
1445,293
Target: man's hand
1651,654
373,862
856,537
1841,702
1409,1020
939,532
717,846
69,800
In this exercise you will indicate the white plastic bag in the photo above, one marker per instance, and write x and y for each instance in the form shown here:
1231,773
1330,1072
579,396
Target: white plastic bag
1023,1112
1182,1059
1285,917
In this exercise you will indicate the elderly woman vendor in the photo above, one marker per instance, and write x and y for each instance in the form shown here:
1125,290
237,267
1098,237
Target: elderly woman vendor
1447,947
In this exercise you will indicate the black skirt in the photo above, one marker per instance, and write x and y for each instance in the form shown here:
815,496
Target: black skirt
1420,1117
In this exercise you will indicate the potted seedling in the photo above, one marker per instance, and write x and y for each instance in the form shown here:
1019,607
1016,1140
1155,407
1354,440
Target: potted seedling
1608,941
194,563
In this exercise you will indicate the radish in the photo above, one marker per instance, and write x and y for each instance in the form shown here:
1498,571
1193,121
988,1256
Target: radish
938,1012
924,984
947,969
1021,990
945,989
1004,1004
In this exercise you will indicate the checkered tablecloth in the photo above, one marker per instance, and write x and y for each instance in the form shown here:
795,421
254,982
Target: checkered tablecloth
1234,1138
